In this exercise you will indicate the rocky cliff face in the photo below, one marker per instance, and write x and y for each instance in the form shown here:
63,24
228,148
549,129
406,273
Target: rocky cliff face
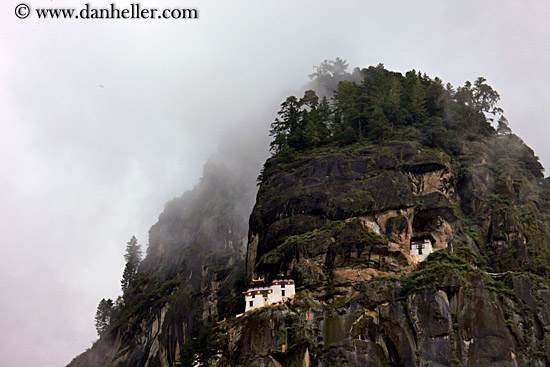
353,212
459,319
340,222
339,218
193,273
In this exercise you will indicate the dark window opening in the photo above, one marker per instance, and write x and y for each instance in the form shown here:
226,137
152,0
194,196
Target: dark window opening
251,303
282,284
283,293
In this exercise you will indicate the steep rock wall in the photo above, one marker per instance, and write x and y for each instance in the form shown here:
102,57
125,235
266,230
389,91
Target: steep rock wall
340,221
375,201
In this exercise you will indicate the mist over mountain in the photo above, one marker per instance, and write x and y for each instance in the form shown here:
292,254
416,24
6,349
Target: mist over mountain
363,168
224,197
103,121
194,256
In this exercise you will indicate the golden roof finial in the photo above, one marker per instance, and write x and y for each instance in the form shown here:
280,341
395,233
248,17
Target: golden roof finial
258,280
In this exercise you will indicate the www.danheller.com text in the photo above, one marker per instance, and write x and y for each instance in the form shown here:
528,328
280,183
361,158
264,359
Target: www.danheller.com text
112,11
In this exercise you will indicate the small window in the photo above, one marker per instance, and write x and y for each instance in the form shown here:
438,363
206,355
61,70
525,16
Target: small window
253,295
282,285
283,293
251,303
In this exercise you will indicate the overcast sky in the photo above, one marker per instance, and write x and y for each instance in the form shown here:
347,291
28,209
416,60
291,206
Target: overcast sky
101,122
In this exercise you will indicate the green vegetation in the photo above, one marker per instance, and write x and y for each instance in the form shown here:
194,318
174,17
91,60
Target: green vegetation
439,265
382,105
103,316
338,237
110,313
501,289
372,131
306,239
200,349
133,259
362,112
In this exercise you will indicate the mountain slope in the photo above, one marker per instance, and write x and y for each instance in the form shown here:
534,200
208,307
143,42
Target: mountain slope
340,223
383,159
339,216
193,271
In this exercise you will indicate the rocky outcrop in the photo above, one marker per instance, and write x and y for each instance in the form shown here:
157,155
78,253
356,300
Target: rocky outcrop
339,219
340,222
460,317
192,274
352,212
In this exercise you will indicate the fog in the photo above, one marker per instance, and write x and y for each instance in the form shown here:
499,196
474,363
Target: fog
103,121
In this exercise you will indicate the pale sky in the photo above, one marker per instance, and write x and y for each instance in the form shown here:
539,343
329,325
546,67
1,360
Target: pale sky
103,121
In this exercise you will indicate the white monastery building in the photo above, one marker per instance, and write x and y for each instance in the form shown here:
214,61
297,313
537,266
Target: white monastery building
261,294
420,249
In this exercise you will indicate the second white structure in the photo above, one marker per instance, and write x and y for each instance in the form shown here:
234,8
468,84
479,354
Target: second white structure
261,294
420,249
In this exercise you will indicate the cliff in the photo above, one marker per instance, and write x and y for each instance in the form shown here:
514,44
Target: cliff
391,160
193,271
340,222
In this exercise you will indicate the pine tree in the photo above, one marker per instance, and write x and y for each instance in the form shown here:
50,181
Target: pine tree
104,315
329,69
186,355
485,97
347,100
133,259
503,128
285,129
199,351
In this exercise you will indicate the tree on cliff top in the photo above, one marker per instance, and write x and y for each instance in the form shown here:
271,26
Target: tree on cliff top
384,105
